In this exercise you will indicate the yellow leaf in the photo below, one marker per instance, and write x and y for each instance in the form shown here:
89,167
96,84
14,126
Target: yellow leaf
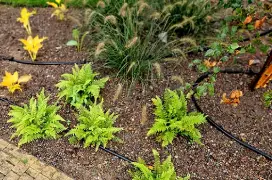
54,5
24,78
14,88
12,82
60,9
33,45
9,79
24,19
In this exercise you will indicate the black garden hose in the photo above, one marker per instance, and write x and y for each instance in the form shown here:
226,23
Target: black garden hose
219,127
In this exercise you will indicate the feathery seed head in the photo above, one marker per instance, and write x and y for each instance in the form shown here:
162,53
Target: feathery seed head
99,49
111,19
131,42
123,10
118,92
157,67
101,4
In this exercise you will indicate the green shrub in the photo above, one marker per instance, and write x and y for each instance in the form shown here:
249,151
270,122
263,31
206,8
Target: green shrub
267,97
133,38
160,171
172,118
38,120
95,127
81,87
131,42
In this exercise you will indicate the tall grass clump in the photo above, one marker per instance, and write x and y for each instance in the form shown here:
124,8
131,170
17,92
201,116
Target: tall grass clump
187,16
128,40
132,36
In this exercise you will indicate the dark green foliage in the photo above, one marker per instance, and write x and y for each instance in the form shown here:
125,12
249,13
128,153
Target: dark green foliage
95,127
267,97
132,43
81,87
160,171
172,118
187,16
38,120
233,3
135,39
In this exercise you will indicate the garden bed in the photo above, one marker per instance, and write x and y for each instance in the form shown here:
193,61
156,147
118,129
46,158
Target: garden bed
218,158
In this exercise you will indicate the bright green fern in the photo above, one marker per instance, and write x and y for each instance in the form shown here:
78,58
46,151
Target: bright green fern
172,118
38,120
81,87
95,127
160,171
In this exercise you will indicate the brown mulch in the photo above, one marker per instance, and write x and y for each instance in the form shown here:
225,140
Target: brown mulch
218,158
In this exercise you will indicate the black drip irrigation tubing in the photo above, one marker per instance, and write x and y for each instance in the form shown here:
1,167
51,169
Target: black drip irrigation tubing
27,62
209,119
219,127
201,78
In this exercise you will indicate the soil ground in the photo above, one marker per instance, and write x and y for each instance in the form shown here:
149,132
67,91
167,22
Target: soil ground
218,158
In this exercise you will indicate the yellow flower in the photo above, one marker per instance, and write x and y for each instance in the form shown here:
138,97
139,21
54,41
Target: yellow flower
24,19
12,82
33,45
60,9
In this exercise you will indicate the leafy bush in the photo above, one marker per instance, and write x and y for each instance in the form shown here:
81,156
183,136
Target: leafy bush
160,171
38,120
267,97
172,118
81,87
95,127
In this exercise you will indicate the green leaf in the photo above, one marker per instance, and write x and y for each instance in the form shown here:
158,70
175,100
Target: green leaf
216,69
234,46
210,53
75,34
72,43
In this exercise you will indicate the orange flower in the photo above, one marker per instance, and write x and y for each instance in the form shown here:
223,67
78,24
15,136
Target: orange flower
209,63
259,23
234,98
247,20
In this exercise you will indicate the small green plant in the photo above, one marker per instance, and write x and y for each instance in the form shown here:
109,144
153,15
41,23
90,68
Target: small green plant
25,160
78,39
267,97
160,171
172,118
38,120
95,127
81,87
